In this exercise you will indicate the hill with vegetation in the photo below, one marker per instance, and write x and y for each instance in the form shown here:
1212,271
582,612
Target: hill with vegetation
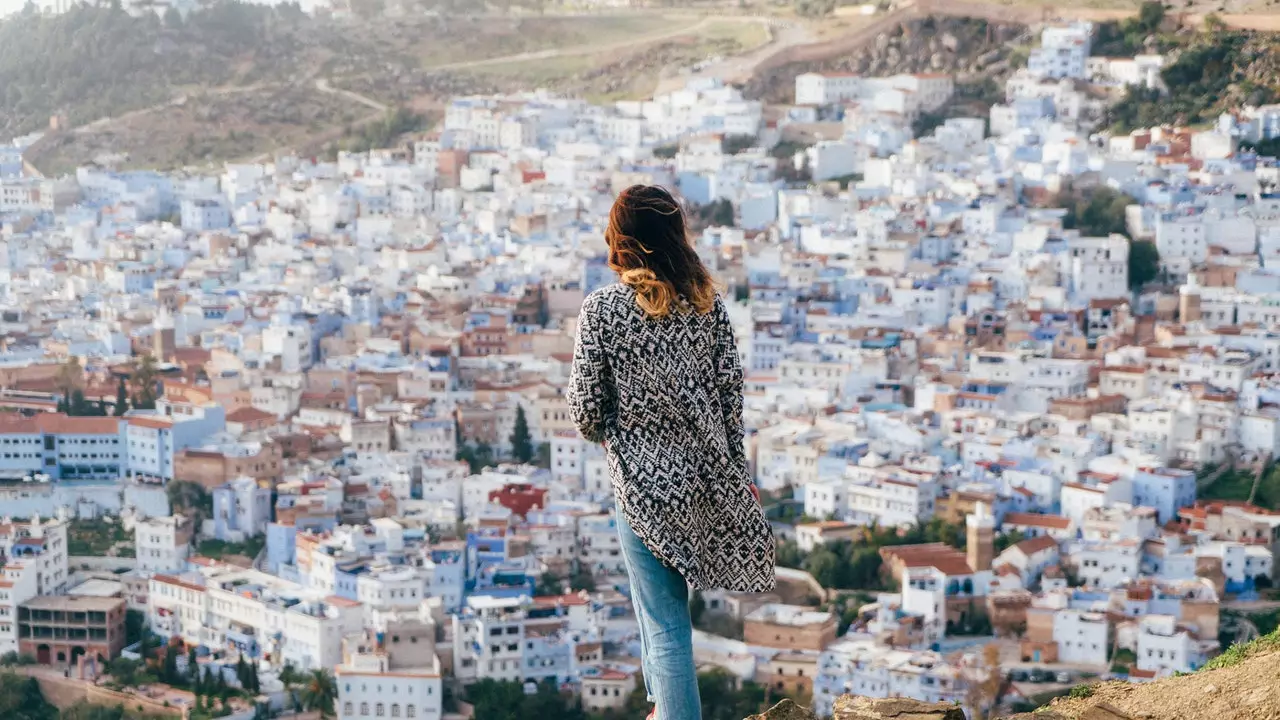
1211,70
96,62
237,81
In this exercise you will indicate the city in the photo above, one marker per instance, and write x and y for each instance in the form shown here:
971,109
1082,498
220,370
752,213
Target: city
290,435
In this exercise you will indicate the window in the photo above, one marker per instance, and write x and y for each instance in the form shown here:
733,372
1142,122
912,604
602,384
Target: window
379,710
395,709
364,708
346,709
410,711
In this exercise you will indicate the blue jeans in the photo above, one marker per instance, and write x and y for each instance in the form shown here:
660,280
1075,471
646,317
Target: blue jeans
661,599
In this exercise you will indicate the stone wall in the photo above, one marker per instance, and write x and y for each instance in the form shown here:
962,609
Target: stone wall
65,692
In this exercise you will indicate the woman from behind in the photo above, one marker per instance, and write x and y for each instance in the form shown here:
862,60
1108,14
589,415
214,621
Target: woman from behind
656,378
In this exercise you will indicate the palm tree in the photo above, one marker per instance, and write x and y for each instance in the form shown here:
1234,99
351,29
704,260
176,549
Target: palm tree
319,691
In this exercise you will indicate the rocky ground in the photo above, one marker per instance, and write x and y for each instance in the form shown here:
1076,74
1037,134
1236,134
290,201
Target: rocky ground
964,47
1249,690
1242,684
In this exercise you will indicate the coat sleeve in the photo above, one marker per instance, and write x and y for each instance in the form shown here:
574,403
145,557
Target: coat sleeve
729,384
591,394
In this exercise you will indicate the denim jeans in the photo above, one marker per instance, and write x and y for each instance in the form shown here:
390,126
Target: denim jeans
661,599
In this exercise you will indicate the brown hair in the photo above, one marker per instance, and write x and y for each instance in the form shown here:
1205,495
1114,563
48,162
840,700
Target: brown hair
651,252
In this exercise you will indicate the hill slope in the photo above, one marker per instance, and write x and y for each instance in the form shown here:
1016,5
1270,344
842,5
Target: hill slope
1241,684
93,62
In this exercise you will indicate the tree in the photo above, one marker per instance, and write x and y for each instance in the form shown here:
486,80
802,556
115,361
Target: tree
497,700
190,499
169,670
789,555
982,682
521,441
144,648
135,623
583,580
78,405
1098,213
21,699
126,672
70,376
734,144
548,584
1008,540
122,399
319,692
144,378
1144,263
723,699
193,669
543,457
1150,15
290,677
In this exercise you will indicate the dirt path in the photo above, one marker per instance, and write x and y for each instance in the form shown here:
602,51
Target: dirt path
739,68
587,49
323,86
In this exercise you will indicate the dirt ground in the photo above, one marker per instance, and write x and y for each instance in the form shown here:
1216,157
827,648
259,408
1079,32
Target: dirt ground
1247,691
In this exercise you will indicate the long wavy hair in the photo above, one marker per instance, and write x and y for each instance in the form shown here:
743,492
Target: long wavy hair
650,250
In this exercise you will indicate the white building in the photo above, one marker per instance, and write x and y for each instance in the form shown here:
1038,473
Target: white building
1083,638
1063,52
163,543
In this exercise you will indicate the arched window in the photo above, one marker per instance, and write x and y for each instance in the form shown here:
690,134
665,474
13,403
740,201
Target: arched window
346,709
395,709
364,709
410,711
379,710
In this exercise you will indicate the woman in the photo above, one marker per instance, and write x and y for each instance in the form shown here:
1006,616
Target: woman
656,378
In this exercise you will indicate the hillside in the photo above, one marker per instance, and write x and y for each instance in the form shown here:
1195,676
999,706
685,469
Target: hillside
975,51
1212,70
238,81
1241,684
92,62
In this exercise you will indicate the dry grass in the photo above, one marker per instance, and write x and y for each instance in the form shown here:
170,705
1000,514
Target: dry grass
207,130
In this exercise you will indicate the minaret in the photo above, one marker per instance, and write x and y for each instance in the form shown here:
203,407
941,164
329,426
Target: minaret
980,539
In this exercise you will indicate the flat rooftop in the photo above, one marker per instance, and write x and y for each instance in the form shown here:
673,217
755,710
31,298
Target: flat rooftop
86,603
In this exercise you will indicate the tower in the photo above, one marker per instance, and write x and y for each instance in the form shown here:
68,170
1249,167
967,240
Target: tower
980,529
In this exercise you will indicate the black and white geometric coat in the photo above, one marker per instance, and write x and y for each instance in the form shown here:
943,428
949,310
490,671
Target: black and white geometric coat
665,395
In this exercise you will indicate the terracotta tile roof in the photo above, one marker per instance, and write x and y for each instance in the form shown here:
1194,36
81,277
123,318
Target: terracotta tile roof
1056,522
943,558
153,423
171,580
57,423
1037,544
249,414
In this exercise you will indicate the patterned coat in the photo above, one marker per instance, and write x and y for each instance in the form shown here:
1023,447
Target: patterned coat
665,395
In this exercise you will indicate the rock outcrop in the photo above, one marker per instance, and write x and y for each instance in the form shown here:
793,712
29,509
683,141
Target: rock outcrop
1241,684
860,708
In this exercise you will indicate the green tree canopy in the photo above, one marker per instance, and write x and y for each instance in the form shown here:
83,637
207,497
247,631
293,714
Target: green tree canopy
1144,263
1096,213
521,440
